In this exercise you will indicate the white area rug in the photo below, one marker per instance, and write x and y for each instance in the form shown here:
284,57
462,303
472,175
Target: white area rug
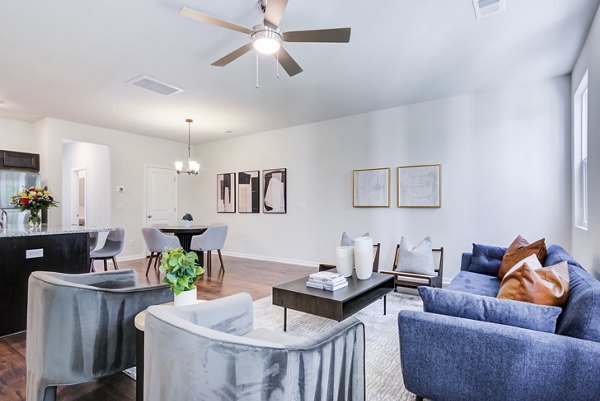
382,357
384,376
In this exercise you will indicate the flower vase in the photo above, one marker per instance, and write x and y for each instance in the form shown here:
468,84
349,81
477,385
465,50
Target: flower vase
35,218
188,297
363,257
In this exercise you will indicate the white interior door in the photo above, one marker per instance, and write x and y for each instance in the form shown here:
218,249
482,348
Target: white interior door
161,196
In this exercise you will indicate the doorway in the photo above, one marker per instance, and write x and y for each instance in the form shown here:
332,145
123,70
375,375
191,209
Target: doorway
79,197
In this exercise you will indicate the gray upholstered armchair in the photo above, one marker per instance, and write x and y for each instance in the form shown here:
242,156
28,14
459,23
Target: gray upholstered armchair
80,327
211,351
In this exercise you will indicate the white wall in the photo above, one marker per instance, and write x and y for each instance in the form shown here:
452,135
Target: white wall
586,243
96,161
18,136
129,153
504,156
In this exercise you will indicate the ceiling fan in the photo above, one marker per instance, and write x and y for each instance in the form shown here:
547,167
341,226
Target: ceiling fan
268,36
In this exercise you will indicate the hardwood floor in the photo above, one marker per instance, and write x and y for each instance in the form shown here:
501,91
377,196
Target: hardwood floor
241,275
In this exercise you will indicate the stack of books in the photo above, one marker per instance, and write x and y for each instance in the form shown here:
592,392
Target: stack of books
328,281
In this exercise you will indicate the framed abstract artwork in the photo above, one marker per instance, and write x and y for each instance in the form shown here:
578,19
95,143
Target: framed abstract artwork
275,191
371,187
248,192
226,193
420,186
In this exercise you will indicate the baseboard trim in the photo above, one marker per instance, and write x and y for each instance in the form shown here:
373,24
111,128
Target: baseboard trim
130,257
297,262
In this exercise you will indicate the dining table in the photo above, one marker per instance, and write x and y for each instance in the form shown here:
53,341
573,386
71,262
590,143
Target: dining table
185,234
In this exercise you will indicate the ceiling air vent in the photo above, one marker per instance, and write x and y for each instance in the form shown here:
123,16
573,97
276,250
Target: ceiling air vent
154,85
483,8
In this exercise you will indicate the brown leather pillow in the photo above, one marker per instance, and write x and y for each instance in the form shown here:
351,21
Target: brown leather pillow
519,250
545,286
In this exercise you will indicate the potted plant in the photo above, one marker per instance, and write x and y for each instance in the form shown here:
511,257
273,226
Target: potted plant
33,199
187,220
181,272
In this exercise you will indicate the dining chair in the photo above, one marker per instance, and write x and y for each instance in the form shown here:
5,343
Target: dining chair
157,242
112,247
213,239
93,242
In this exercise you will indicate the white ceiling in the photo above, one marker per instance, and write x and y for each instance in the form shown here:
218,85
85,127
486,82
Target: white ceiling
70,59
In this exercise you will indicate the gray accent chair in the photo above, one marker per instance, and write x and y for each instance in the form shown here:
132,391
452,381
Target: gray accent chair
213,239
80,327
112,247
157,242
211,351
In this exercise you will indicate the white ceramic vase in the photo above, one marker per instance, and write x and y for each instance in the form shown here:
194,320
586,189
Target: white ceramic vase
363,257
188,297
344,260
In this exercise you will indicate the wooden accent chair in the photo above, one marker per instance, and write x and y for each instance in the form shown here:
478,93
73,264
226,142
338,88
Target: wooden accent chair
376,250
414,280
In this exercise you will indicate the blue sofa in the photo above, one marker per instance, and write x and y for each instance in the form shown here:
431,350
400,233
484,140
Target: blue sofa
454,358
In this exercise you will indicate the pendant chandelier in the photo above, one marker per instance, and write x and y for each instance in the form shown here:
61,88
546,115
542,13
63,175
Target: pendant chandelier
193,166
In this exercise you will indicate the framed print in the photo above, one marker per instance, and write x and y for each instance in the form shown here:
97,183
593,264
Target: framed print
275,191
249,192
226,193
420,186
371,187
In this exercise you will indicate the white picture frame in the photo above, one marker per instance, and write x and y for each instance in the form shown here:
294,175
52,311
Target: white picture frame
420,186
371,187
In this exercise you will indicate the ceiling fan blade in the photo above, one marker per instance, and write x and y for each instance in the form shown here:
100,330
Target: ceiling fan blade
274,12
198,16
288,63
223,61
337,35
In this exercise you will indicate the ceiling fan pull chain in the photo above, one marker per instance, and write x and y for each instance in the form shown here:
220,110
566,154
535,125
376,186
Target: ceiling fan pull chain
256,70
277,65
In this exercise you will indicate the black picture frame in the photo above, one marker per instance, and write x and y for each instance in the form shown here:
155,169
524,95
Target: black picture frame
275,192
248,191
226,190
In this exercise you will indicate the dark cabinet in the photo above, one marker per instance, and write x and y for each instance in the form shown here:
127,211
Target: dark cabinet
63,253
19,160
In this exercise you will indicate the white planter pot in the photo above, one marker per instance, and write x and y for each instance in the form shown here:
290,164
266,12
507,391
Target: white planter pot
363,257
344,260
186,298
187,223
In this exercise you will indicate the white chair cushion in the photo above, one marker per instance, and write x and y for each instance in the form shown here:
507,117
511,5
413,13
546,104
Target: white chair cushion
416,259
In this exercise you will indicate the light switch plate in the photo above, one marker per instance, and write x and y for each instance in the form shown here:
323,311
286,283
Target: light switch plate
34,253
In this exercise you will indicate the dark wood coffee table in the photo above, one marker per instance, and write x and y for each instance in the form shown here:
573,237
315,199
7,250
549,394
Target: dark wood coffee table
337,305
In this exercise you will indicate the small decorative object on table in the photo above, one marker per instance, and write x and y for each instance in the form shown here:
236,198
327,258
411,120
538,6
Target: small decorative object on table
328,281
187,220
181,272
34,200
344,260
363,257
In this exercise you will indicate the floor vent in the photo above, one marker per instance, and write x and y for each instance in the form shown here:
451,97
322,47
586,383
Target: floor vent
484,8
154,85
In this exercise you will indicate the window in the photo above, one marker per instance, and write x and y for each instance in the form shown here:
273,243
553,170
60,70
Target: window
580,153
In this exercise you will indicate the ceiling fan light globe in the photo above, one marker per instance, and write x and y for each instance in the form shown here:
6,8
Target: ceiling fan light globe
266,45
266,40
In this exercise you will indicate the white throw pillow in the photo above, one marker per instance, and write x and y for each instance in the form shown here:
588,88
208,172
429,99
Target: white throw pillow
347,241
416,259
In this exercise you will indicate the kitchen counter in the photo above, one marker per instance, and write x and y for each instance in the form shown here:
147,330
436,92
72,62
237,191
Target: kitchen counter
24,250
21,230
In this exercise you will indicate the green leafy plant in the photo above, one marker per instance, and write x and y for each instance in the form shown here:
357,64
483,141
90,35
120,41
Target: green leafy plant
181,269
